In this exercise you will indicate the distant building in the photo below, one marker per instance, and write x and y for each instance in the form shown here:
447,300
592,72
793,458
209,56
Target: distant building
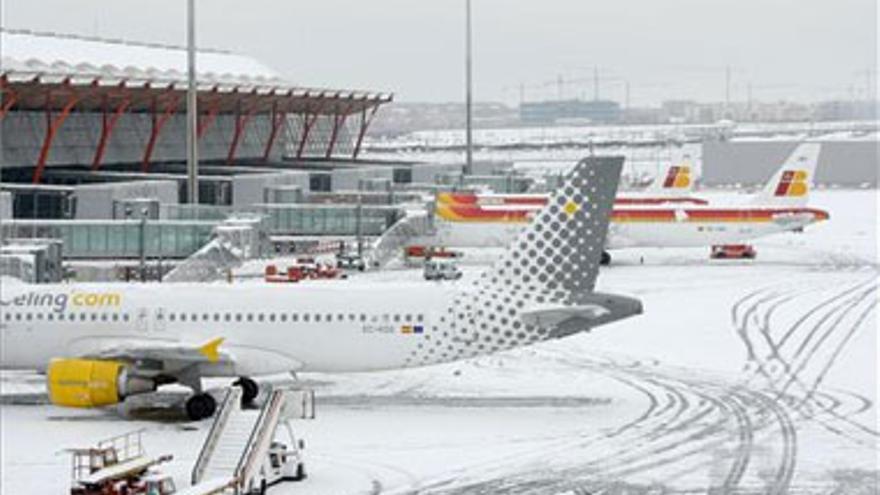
569,111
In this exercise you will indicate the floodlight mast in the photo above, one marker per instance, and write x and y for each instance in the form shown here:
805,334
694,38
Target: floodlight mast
469,123
192,152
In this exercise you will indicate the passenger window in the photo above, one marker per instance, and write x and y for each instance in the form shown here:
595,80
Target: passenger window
103,316
206,317
8,316
363,317
351,316
71,317
49,317
227,317
115,317
28,317
82,317
237,316
385,318
329,318
194,317
39,316
171,317
271,316
396,318
94,316
182,316
317,317
408,318
305,317
419,317
216,316
124,316
260,317
283,316
294,317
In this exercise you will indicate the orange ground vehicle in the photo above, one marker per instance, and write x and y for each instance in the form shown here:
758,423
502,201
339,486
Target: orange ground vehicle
430,252
733,251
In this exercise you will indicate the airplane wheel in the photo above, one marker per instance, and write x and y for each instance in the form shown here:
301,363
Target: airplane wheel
200,406
606,258
249,390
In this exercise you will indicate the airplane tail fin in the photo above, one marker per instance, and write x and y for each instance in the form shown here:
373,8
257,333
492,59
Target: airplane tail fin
677,176
558,254
790,185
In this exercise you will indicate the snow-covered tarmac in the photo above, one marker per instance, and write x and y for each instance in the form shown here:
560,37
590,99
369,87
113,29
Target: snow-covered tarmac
741,377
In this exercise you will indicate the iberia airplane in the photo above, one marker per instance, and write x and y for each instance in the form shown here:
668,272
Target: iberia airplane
779,207
673,185
101,343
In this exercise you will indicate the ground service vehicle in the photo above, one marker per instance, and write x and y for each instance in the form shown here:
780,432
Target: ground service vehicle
441,269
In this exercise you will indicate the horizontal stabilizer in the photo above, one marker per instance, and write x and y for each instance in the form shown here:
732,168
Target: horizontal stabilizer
596,309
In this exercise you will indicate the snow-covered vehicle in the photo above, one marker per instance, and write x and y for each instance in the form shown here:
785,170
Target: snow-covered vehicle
350,261
441,269
283,463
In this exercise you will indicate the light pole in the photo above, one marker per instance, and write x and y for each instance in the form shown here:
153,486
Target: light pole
192,157
469,153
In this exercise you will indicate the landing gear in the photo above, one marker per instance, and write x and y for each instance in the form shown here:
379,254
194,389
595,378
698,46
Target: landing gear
200,406
249,390
606,258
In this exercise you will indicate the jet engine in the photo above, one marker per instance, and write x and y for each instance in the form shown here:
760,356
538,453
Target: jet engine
92,383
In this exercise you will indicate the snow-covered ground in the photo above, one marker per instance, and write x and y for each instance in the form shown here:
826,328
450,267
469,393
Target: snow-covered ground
741,377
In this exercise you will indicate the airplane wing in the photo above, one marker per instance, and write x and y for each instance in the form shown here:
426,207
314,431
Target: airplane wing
171,356
593,310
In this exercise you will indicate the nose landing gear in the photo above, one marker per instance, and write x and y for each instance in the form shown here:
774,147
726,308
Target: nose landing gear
249,390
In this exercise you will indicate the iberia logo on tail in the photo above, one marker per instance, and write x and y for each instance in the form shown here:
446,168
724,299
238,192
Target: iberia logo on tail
678,177
792,183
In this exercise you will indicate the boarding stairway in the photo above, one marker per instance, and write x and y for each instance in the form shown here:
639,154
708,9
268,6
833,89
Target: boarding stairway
235,241
408,230
239,439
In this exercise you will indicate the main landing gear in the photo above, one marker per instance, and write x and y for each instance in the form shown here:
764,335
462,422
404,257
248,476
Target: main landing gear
606,258
200,406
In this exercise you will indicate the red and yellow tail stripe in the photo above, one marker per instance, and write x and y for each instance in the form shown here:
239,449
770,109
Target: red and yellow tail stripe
678,177
793,183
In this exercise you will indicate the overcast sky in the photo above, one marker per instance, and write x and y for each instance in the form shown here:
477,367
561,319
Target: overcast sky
792,49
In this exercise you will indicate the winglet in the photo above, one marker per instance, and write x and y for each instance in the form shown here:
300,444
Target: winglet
211,350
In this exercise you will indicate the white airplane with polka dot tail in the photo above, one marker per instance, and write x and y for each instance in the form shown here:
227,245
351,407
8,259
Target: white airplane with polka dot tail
101,343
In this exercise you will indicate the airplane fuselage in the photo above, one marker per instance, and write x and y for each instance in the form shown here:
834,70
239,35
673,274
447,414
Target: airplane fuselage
321,326
663,226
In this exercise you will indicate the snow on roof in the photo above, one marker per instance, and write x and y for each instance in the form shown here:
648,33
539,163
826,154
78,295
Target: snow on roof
30,52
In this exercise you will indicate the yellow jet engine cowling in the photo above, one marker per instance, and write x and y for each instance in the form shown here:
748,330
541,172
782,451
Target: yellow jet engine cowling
92,383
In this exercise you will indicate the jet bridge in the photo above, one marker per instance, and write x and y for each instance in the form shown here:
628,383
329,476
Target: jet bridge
238,443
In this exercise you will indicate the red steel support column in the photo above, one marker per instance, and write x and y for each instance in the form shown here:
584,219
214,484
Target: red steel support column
308,122
107,126
338,121
52,126
241,122
158,124
9,97
278,119
206,121
365,123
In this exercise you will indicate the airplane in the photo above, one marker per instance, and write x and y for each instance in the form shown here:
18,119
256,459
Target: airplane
779,207
672,185
101,343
